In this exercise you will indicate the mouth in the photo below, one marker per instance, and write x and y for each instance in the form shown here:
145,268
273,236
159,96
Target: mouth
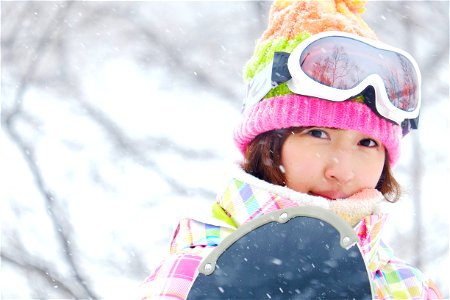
330,195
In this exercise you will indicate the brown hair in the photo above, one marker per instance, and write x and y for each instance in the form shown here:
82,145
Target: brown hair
263,160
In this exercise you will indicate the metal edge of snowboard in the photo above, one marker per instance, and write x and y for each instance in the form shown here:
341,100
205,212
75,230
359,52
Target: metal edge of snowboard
348,236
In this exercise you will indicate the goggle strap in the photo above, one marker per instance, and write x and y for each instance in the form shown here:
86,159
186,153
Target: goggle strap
369,100
280,70
414,123
409,124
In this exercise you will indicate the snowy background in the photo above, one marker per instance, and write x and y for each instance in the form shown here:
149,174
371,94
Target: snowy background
117,120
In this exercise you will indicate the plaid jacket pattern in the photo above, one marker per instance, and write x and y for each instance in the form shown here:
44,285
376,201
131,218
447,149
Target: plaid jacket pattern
391,277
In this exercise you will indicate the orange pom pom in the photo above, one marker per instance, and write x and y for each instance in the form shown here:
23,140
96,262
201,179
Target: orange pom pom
291,18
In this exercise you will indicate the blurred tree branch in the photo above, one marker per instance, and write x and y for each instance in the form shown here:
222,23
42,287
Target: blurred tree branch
29,264
57,215
62,228
139,154
37,55
202,79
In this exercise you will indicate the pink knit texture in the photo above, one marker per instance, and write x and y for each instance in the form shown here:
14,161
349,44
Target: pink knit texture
297,110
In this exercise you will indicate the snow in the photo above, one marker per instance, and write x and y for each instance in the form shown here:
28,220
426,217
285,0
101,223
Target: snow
121,206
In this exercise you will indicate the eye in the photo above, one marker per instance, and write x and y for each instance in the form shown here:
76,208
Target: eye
368,143
317,133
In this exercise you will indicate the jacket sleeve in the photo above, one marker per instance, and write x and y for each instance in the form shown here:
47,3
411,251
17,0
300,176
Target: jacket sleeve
173,278
191,242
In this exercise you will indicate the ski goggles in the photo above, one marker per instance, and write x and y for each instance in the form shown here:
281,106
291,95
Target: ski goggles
337,66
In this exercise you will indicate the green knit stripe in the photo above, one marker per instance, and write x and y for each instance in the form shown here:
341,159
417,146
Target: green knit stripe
263,53
280,90
359,98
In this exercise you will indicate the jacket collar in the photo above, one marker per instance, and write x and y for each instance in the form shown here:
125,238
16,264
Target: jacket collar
246,197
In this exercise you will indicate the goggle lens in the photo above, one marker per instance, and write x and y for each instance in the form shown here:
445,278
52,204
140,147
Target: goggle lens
343,63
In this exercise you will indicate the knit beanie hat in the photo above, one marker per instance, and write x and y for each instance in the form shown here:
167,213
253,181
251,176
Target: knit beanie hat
291,22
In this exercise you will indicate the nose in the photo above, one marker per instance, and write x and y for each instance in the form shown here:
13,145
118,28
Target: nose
339,167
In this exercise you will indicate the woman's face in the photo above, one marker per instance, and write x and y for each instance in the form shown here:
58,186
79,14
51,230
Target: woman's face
332,163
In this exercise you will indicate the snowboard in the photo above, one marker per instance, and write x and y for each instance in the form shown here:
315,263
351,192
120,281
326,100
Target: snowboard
294,253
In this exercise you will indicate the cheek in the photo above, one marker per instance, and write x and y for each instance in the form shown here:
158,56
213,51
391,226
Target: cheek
291,159
298,167
370,172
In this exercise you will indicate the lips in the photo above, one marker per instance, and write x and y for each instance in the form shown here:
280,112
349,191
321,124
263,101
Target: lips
330,195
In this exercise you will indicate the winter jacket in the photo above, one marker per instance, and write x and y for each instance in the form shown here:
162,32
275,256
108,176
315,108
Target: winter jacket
246,198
